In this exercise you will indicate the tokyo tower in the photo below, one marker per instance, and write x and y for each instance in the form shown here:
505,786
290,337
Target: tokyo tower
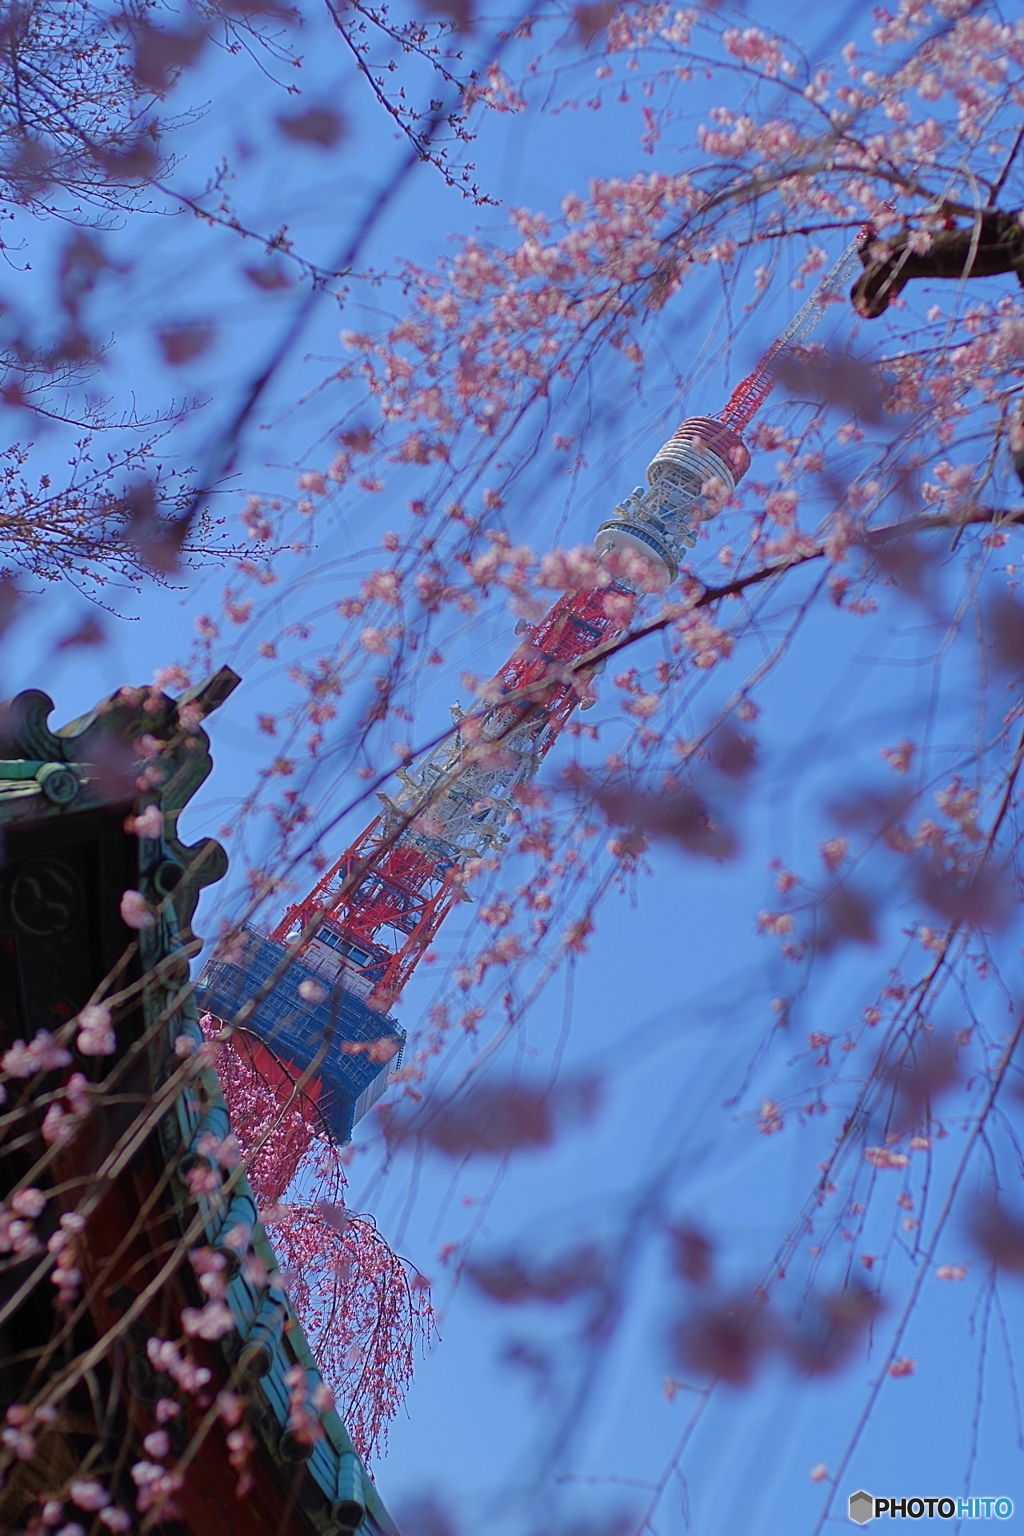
328,974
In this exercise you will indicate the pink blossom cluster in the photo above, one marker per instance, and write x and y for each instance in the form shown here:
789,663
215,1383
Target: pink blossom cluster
156,1486
167,1359
211,1321
223,1151
21,1426
62,1245
17,1215
775,922
60,1123
90,1497
752,46
148,823
360,1313
41,1054
240,1449
96,1031
211,1268
769,1118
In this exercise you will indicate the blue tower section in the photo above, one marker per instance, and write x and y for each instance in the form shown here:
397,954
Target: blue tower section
295,1029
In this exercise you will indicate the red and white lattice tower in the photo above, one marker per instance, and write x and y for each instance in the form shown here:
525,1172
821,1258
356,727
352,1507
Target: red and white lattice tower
370,918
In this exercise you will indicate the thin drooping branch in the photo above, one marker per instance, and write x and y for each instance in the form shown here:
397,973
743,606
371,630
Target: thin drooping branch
222,454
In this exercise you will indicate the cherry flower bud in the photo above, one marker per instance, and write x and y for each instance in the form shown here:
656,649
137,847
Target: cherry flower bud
89,1495
230,1407
19,1443
237,1237
203,1181
148,823
78,1089
55,1125
221,1150
116,1519
94,1016
93,1044
157,1443
210,1322
135,911
29,1202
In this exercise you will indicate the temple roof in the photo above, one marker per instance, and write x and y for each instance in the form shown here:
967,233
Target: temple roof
66,802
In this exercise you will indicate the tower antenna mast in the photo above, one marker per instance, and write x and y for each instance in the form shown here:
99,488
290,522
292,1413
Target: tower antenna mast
751,393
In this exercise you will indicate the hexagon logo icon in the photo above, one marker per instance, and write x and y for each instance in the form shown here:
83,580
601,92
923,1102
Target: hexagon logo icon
862,1507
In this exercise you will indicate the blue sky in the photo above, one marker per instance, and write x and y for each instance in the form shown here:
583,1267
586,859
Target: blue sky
670,1003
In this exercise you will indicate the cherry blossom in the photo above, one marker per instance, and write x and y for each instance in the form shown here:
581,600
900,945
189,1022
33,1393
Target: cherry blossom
148,823
96,1033
212,1321
116,1519
42,1054
135,912
88,1495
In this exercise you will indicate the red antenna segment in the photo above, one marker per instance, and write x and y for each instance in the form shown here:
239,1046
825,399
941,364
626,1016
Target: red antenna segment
751,393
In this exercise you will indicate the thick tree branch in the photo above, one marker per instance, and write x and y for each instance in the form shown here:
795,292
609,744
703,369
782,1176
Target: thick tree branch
992,244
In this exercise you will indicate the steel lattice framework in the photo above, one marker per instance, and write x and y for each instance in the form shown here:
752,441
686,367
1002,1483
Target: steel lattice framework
367,922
